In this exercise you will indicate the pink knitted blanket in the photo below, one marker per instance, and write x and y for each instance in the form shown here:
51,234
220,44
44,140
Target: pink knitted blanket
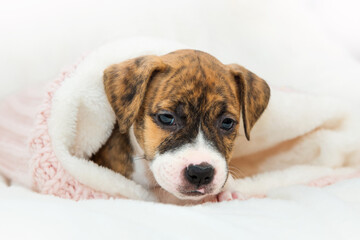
26,154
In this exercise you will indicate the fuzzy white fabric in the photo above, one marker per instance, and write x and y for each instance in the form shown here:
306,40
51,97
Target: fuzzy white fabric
323,135
295,213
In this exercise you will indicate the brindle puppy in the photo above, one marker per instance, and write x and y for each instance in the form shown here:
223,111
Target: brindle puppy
178,115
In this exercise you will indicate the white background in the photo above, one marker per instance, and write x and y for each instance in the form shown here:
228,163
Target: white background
281,41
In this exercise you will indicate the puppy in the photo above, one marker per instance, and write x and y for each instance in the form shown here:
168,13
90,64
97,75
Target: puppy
177,118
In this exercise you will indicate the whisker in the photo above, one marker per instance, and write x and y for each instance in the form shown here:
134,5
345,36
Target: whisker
239,173
234,174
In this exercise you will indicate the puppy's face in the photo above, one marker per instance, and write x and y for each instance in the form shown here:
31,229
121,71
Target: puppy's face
185,108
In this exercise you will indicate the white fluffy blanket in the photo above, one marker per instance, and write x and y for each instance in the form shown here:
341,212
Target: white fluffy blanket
299,212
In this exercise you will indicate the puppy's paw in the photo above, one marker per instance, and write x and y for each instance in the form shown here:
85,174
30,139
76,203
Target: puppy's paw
229,196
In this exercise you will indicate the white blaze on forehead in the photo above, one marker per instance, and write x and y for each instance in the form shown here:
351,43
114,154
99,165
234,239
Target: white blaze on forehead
168,168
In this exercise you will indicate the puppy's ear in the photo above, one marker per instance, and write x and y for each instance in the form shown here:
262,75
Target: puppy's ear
254,95
125,86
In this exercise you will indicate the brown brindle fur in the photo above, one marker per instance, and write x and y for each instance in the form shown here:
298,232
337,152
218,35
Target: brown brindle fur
193,85
116,153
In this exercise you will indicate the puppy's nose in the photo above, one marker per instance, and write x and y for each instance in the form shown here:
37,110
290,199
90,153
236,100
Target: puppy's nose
201,174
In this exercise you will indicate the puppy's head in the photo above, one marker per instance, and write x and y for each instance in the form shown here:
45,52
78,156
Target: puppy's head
185,108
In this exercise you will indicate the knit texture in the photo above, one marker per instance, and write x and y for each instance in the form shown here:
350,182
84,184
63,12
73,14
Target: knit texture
47,173
17,114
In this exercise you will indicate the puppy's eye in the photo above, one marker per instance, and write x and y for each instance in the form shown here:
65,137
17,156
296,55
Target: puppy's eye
227,124
166,119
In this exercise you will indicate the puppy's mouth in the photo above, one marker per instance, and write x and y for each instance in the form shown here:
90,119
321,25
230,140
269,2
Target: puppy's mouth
194,193
199,192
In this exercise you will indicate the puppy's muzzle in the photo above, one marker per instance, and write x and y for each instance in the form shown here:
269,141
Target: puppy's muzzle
199,175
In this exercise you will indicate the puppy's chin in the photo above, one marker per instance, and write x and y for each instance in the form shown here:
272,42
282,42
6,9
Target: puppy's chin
185,193
197,194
